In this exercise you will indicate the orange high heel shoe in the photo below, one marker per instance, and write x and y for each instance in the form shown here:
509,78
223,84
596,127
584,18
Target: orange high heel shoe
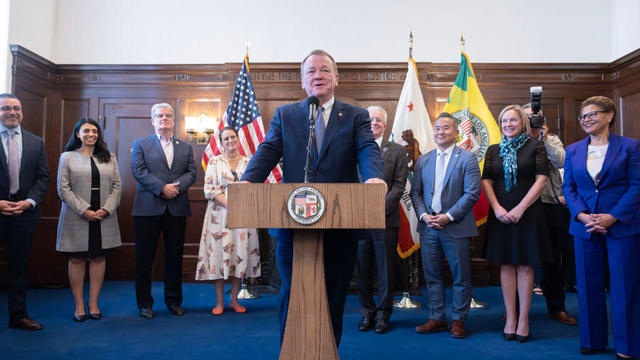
219,311
239,309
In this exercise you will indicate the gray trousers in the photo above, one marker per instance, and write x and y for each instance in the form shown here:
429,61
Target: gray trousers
434,246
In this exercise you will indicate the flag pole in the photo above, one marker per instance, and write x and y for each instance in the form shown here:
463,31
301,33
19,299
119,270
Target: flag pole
411,44
462,42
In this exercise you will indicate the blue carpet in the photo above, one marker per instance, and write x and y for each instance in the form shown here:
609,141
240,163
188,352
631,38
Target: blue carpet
121,334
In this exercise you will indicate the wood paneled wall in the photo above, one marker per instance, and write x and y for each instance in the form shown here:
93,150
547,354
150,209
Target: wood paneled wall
120,97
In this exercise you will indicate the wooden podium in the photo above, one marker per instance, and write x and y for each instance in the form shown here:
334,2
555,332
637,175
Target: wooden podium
308,333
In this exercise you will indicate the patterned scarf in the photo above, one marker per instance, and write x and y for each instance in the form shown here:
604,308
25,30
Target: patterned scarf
508,149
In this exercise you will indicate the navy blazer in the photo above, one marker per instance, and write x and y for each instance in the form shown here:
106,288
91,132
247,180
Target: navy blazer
151,170
460,192
34,169
617,192
348,141
396,168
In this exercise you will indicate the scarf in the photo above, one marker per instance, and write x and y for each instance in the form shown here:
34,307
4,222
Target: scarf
508,149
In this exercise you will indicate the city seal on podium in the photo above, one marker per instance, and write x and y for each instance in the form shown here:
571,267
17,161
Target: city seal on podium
306,205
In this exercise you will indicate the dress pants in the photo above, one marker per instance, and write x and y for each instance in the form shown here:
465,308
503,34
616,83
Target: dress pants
375,252
434,246
16,232
555,272
147,232
339,259
624,293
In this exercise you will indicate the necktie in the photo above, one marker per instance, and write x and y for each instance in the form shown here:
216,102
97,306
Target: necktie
14,168
436,203
319,129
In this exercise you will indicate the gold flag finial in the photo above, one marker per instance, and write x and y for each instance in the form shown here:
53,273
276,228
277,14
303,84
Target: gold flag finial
462,41
246,48
411,43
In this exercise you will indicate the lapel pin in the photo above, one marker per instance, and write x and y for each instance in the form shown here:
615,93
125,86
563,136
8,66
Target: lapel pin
178,142
339,114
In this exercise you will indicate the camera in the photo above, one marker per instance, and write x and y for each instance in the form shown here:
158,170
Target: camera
536,119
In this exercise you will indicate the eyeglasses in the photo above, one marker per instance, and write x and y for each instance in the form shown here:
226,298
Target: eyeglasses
591,115
8,108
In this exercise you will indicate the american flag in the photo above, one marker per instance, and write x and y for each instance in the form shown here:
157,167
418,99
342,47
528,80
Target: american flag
243,115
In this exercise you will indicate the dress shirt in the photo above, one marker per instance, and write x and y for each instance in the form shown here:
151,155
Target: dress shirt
448,151
379,141
595,160
167,147
4,133
326,113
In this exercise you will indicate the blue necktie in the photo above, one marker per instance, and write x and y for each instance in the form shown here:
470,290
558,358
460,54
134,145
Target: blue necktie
14,163
319,129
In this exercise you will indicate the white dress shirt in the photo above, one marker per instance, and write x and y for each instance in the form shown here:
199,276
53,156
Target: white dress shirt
167,147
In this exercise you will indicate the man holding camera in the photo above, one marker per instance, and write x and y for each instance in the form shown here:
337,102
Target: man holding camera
557,218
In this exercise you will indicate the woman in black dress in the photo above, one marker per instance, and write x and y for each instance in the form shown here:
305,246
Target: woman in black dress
89,186
515,173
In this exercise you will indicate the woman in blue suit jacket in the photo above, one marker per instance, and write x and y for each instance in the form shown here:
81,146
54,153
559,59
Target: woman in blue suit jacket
602,189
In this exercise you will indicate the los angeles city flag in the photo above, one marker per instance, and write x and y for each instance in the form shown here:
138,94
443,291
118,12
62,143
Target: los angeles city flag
411,114
477,127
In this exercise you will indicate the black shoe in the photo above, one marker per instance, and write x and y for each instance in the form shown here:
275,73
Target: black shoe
79,318
523,338
97,316
509,337
365,324
571,289
382,326
146,312
176,310
618,357
589,351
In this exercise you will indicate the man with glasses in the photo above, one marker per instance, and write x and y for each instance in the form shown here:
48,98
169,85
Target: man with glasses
164,168
24,177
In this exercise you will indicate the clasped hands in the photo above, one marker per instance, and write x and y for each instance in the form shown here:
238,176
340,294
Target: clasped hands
508,217
95,215
597,223
13,208
437,222
169,191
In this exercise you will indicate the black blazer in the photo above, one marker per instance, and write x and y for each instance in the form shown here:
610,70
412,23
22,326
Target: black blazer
34,169
396,168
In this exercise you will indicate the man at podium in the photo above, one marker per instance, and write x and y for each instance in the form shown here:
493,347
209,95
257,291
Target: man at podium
344,141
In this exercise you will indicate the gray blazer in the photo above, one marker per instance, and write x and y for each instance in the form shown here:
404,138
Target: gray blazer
461,190
74,189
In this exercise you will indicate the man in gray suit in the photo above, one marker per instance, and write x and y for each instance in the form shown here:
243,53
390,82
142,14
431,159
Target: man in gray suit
378,247
446,185
24,177
164,168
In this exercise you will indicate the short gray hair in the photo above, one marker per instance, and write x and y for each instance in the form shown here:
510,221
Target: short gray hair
319,52
155,108
378,108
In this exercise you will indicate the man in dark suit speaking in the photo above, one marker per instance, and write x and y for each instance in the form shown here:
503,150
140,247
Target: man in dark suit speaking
24,177
164,168
344,140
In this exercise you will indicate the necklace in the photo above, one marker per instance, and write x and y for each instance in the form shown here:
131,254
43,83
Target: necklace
232,159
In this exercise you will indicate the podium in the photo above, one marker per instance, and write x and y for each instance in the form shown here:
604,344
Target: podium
308,333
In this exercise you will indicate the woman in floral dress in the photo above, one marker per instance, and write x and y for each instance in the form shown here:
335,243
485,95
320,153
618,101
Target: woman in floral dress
226,254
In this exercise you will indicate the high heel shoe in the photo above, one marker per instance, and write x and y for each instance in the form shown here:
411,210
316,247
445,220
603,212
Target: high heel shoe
92,316
239,309
522,338
509,337
79,318
217,311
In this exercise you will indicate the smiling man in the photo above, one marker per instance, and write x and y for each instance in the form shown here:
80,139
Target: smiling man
24,177
344,140
446,185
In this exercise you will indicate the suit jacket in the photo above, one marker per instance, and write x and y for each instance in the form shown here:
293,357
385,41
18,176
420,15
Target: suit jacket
151,170
617,192
74,189
461,190
34,170
395,175
348,141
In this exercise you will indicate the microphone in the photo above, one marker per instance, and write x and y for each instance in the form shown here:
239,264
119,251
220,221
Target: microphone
313,103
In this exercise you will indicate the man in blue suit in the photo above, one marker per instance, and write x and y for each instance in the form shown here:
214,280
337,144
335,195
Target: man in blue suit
24,177
446,185
344,141
164,168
